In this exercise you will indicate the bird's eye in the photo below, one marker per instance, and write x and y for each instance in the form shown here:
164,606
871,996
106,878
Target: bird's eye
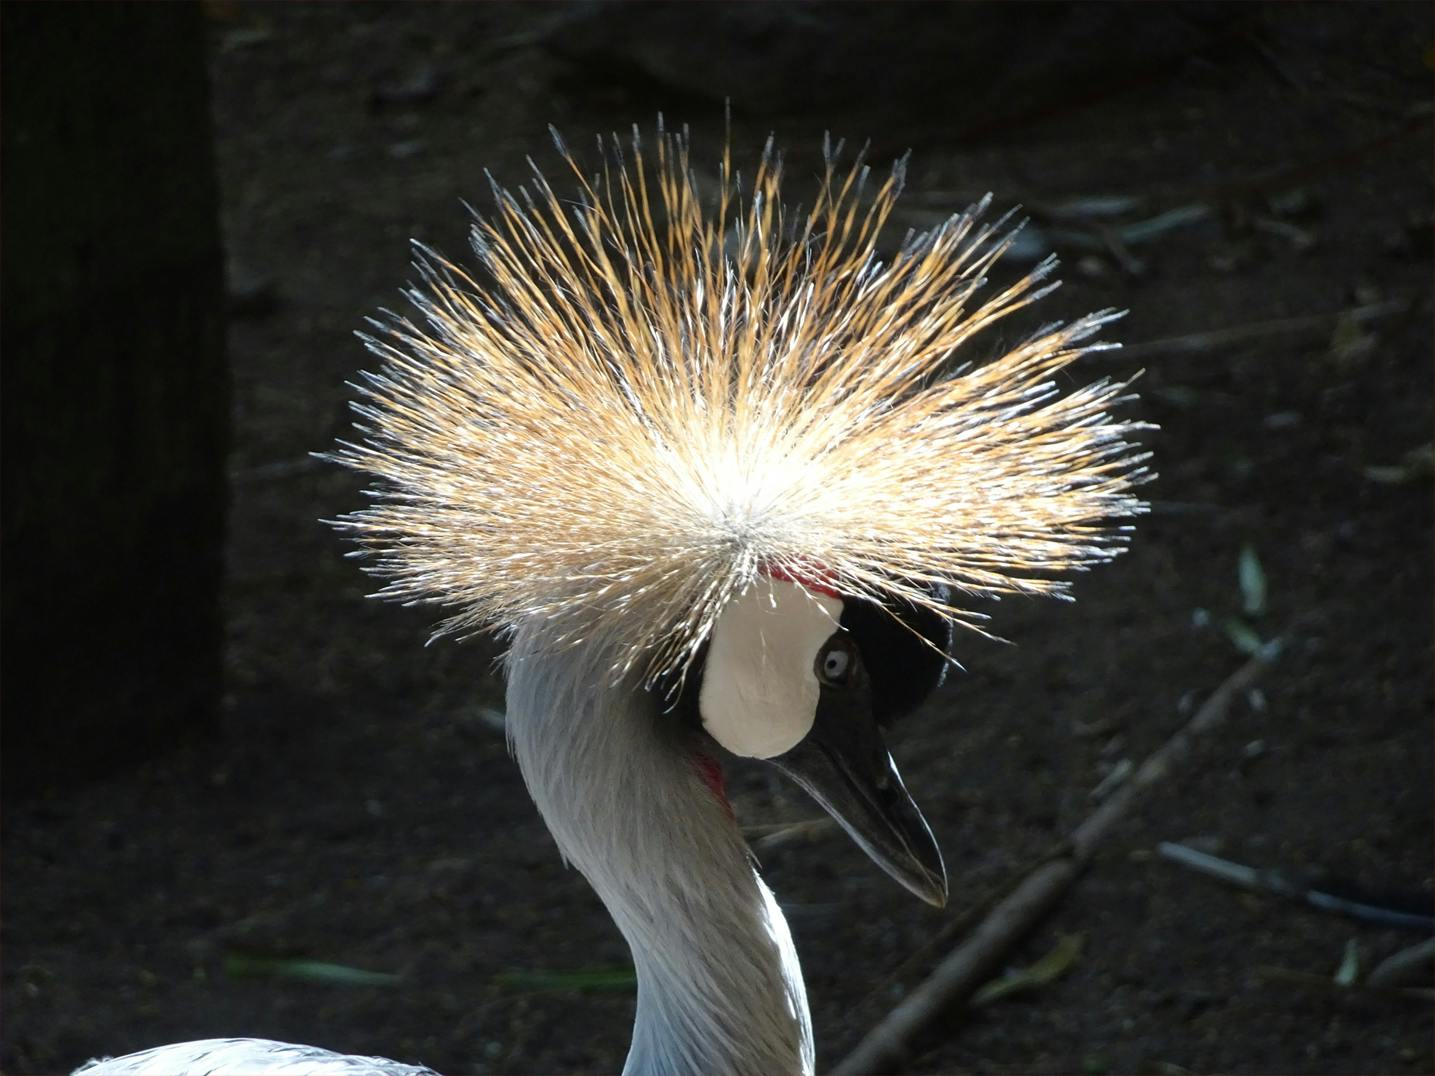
834,661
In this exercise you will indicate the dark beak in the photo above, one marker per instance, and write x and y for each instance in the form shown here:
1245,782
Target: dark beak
844,765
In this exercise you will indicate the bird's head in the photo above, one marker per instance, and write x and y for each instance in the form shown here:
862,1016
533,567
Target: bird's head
800,677
748,449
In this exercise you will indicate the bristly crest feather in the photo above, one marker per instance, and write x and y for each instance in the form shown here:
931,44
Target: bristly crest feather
651,403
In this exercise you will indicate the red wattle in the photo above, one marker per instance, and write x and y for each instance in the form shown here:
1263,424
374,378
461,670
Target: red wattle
710,770
814,578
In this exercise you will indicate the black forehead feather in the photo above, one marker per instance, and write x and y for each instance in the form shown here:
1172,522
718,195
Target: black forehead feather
904,667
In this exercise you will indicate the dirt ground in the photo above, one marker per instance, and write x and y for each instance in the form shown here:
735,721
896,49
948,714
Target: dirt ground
360,807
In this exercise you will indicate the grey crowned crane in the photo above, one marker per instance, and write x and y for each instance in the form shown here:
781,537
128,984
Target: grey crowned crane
726,481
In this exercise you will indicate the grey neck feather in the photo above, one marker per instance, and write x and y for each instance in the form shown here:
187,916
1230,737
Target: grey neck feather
719,987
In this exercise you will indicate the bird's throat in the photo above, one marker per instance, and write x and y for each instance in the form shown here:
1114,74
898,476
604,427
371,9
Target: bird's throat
719,988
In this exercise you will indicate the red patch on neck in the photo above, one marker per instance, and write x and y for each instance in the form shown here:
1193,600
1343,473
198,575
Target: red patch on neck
710,770
812,576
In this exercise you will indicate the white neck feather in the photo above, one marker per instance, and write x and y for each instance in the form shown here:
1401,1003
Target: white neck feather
719,987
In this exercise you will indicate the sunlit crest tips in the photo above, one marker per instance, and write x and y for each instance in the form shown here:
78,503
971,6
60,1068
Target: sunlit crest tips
650,393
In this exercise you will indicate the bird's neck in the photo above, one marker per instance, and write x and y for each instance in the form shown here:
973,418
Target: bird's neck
719,988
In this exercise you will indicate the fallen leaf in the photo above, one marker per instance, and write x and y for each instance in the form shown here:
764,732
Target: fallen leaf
1253,582
239,965
1062,958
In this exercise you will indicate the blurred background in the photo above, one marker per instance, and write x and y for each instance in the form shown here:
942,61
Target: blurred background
240,798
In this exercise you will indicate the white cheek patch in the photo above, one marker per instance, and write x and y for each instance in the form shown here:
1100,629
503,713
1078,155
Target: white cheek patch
760,691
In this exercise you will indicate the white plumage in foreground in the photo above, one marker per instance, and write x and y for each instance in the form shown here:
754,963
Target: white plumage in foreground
726,480
240,1057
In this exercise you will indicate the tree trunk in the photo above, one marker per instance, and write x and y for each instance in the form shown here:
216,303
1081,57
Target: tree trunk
115,391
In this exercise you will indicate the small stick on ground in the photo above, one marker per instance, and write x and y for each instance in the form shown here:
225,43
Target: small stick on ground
766,838
1366,991
1232,336
887,1045
1408,967
1342,899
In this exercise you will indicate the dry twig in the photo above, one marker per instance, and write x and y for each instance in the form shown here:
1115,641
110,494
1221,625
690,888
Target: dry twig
1406,967
1340,899
1232,336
